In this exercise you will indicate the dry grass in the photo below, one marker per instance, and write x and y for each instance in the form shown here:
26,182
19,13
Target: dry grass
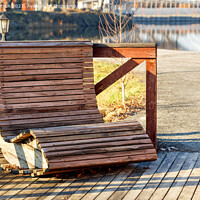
110,101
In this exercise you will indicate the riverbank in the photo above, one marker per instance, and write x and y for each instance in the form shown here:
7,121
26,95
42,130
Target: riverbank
31,19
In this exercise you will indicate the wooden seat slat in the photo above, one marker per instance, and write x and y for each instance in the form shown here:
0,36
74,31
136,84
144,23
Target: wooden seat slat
104,155
50,88
87,136
42,77
17,123
78,91
48,103
47,99
45,61
48,109
97,162
42,83
48,115
56,102
53,44
99,150
142,135
46,55
45,66
96,145
42,71
44,50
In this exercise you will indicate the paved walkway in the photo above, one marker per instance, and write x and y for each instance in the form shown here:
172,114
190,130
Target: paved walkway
173,176
178,100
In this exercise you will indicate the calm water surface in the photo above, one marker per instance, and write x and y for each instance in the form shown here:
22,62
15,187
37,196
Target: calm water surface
181,37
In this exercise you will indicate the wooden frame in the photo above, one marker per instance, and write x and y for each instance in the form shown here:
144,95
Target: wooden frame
137,54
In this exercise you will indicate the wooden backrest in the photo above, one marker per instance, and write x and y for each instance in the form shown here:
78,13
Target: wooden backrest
46,84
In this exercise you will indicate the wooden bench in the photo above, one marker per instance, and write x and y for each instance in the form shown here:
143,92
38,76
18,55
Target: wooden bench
49,115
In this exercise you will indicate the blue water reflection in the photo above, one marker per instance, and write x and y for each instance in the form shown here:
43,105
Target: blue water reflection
175,36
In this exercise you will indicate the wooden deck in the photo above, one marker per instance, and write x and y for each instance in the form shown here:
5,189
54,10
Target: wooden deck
175,175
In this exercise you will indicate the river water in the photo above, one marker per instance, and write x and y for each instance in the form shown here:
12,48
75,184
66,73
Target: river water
168,36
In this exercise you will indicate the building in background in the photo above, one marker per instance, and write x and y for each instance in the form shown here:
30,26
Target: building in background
128,6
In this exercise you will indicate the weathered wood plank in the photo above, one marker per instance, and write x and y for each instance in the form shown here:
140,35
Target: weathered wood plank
101,185
196,193
182,177
43,43
157,177
94,126
99,150
45,66
192,182
45,50
94,146
85,136
13,193
116,75
48,104
57,189
170,177
40,88
122,190
41,77
40,71
8,182
45,61
47,99
102,155
71,189
41,83
99,162
30,95
48,115
17,123
91,182
147,175
95,140
63,131
25,192
37,55
42,187
115,183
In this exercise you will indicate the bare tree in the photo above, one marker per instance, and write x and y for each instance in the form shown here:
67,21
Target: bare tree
117,27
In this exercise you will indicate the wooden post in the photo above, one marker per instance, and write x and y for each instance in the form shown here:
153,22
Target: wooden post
151,99
138,53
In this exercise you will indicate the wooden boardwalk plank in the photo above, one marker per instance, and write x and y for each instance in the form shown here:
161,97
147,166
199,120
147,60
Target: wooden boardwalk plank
157,177
130,181
100,186
71,189
13,193
146,176
23,194
116,182
55,191
192,182
9,182
169,178
42,188
182,177
197,193
85,188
